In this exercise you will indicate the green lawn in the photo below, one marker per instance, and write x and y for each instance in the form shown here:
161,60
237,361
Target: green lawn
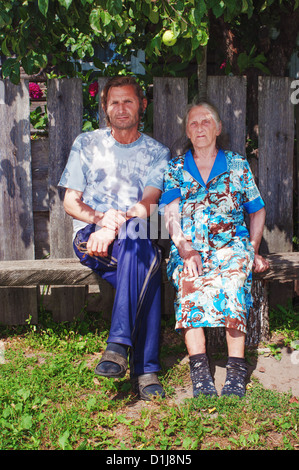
51,399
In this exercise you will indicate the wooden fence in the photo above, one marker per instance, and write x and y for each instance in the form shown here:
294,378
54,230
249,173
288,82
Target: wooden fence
33,222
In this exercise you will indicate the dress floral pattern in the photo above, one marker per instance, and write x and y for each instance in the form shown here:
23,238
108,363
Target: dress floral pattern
212,219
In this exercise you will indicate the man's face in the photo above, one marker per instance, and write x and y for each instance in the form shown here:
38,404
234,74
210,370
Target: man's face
123,107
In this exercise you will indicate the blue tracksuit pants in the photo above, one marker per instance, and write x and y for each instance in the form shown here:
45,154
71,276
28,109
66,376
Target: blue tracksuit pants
133,269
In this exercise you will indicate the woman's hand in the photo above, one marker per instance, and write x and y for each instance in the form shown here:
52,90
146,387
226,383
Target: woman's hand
260,264
192,264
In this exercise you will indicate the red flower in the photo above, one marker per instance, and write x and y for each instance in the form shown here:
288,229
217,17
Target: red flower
35,92
223,65
93,88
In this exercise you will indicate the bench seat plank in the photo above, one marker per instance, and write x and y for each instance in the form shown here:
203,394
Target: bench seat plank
284,267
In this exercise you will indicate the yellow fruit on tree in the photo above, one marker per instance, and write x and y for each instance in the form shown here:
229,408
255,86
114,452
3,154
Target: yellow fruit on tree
168,38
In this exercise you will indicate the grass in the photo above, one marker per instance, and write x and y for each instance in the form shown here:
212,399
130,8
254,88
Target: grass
51,399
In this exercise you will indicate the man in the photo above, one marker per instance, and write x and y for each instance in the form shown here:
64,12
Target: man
114,179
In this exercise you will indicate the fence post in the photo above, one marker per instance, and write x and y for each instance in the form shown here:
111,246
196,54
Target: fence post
276,160
65,111
16,215
228,94
102,82
170,102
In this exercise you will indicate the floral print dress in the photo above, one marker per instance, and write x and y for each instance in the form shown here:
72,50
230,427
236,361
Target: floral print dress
212,219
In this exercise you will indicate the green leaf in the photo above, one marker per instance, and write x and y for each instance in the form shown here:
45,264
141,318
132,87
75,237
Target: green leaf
63,441
4,48
243,62
11,69
122,419
114,6
65,3
43,6
24,393
95,20
154,16
5,19
26,422
105,17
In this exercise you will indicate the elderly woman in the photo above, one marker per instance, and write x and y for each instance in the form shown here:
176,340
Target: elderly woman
212,253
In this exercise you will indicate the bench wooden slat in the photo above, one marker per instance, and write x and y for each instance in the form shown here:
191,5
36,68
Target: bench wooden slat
284,267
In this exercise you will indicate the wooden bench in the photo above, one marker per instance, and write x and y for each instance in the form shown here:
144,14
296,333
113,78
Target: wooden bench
29,274
284,267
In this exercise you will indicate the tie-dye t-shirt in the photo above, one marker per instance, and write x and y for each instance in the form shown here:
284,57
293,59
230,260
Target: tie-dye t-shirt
110,174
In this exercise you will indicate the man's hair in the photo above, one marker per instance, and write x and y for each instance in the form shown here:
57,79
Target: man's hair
119,82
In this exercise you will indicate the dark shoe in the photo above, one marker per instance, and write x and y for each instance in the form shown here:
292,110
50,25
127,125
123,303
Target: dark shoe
115,365
147,386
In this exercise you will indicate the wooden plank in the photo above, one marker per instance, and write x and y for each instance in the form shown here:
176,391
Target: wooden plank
41,234
40,165
18,304
16,218
65,108
170,102
276,156
102,82
275,169
228,94
66,271
69,303
283,267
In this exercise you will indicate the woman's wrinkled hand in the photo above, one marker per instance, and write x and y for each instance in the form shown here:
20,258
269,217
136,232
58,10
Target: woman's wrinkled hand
260,264
192,266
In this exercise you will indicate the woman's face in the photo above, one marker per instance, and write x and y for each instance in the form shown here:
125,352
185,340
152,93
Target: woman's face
201,127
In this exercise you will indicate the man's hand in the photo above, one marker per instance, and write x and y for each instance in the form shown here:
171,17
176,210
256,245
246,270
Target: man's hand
112,219
260,264
99,242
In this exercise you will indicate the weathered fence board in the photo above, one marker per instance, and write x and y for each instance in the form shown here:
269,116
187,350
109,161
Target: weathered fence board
170,102
102,82
275,171
65,107
16,215
65,110
228,94
276,159
18,305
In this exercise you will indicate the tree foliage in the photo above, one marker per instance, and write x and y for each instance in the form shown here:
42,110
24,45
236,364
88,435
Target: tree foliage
52,35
